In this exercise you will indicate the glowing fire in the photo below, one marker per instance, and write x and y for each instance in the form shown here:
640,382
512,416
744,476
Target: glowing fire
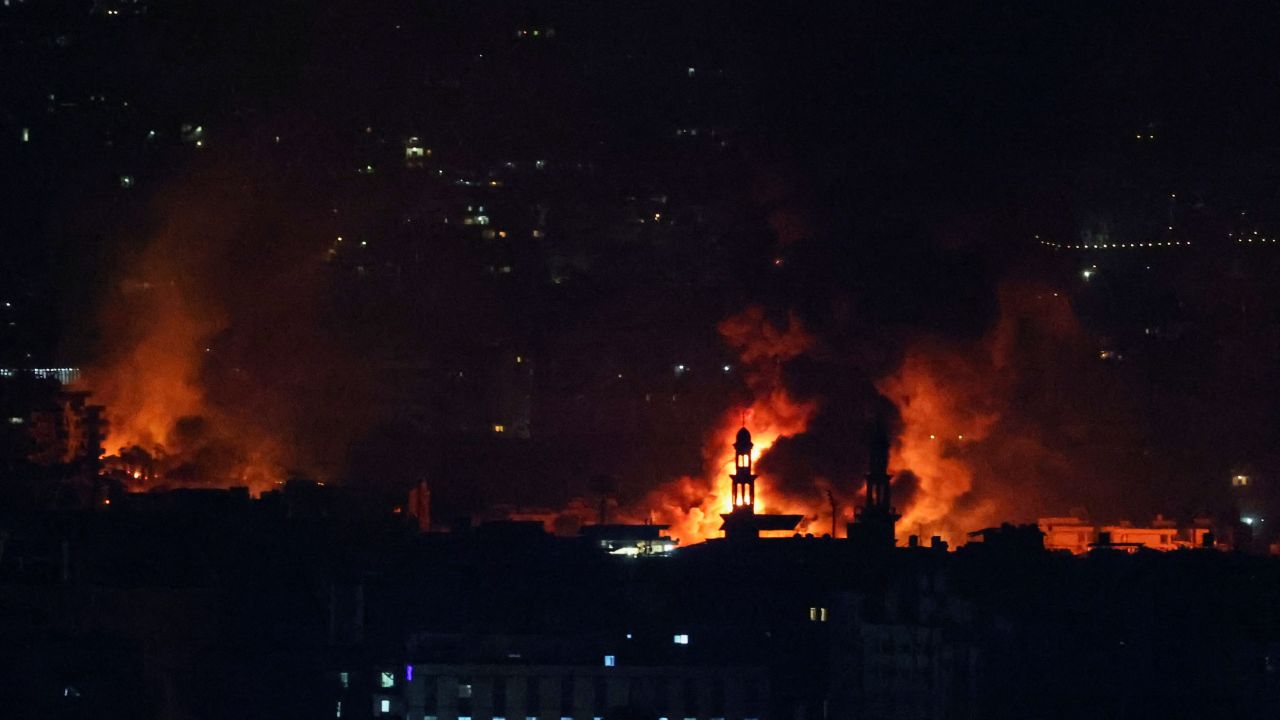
958,438
940,415
162,428
957,442
692,505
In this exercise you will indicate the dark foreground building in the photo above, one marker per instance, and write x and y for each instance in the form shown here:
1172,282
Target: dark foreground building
309,603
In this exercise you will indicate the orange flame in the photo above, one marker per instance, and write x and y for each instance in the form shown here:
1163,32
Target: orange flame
942,408
952,400
692,505
150,379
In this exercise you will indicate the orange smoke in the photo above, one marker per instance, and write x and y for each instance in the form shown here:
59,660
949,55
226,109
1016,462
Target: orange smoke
952,400
944,406
692,505
159,326
155,381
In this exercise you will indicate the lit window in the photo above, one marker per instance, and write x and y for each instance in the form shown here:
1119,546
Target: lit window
464,690
339,711
681,639
610,661
344,678
822,614
408,673
386,679
813,614
499,428
385,706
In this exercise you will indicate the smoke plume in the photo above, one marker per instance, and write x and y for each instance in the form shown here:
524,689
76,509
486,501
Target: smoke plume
1022,422
212,357
692,505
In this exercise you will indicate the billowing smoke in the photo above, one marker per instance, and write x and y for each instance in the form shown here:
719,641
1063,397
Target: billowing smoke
212,358
1022,421
1027,420
692,505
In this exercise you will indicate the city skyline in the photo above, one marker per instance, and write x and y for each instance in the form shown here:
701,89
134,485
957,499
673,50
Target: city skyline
438,360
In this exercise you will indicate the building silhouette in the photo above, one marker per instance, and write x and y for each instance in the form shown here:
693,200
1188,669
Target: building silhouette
874,522
742,522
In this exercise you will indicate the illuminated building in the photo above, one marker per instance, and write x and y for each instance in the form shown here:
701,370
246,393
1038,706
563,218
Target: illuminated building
64,375
630,540
1246,498
1079,536
1068,533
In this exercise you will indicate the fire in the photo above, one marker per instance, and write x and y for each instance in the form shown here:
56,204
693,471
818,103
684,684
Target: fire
152,376
155,381
692,505
939,397
958,439
968,452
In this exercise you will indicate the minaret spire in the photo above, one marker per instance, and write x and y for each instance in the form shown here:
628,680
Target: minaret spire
742,522
744,481
874,521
